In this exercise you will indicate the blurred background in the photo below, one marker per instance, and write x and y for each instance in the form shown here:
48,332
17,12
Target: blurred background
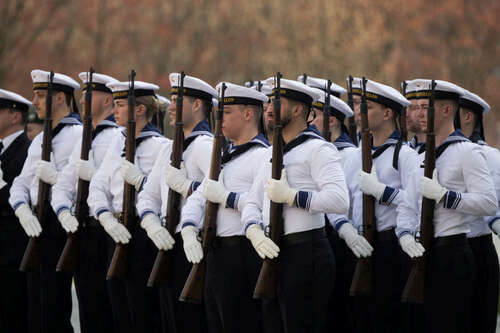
239,40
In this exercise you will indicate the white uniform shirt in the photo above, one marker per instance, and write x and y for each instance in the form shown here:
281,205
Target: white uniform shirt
396,182
196,159
65,190
462,170
237,175
106,186
24,189
313,167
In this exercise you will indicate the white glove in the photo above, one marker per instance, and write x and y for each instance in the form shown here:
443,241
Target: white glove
431,189
2,182
132,174
279,191
215,191
177,180
159,235
411,247
192,246
85,169
28,221
264,246
68,221
46,171
369,184
496,227
115,229
357,243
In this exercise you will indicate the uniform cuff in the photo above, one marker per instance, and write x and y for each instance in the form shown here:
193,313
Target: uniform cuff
452,199
492,221
404,232
188,223
249,224
60,210
194,185
388,196
232,200
99,211
338,224
146,212
18,204
303,199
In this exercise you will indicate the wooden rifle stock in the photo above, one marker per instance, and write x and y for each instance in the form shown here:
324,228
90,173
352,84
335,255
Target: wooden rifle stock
32,254
414,290
68,261
193,289
119,262
162,267
266,286
362,282
352,125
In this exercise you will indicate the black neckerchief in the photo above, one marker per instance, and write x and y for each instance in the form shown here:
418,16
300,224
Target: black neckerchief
71,120
235,151
202,128
147,132
455,137
391,141
343,141
309,133
106,123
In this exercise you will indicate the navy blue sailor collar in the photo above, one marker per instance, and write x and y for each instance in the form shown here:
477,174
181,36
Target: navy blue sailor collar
202,128
310,132
343,141
234,151
455,137
106,123
70,120
391,141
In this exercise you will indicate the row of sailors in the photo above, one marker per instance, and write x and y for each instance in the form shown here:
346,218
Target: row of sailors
318,179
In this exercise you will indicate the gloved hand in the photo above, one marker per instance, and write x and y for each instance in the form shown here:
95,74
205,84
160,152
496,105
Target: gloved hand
431,189
159,235
410,246
28,221
115,229
264,246
68,221
177,180
192,246
132,174
2,182
496,227
46,171
357,243
215,191
279,191
85,169
369,184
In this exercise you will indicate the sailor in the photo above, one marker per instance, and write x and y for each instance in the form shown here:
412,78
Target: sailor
152,203
14,145
55,287
462,186
105,199
312,183
419,103
90,278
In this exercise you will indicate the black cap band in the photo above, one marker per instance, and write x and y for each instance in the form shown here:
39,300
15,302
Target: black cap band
97,86
334,112
438,94
137,92
295,95
242,101
10,104
193,93
55,86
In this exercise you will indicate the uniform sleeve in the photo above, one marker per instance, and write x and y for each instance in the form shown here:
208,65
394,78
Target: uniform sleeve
252,211
20,189
203,153
327,173
99,199
64,191
408,211
493,161
194,208
480,198
149,199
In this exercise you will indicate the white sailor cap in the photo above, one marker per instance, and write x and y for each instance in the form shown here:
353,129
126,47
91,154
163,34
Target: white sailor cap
236,94
261,86
421,88
163,100
382,94
193,87
295,90
315,82
357,86
60,82
338,108
11,100
473,102
99,81
120,89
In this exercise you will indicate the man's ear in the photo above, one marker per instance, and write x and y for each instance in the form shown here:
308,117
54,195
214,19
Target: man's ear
60,98
140,109
247,113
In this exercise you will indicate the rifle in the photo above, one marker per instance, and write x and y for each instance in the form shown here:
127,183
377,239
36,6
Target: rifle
304,78
162,267
415,286
193,289
350,102
119,263
404,131
266,286
31,257
362,281
327,134
68,260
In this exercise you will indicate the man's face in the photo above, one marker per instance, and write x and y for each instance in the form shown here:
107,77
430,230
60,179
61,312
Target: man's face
6,121
412,123
285,114
98,99
39,102
233,121
420,113
377,114
357,110
187,110
120,111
